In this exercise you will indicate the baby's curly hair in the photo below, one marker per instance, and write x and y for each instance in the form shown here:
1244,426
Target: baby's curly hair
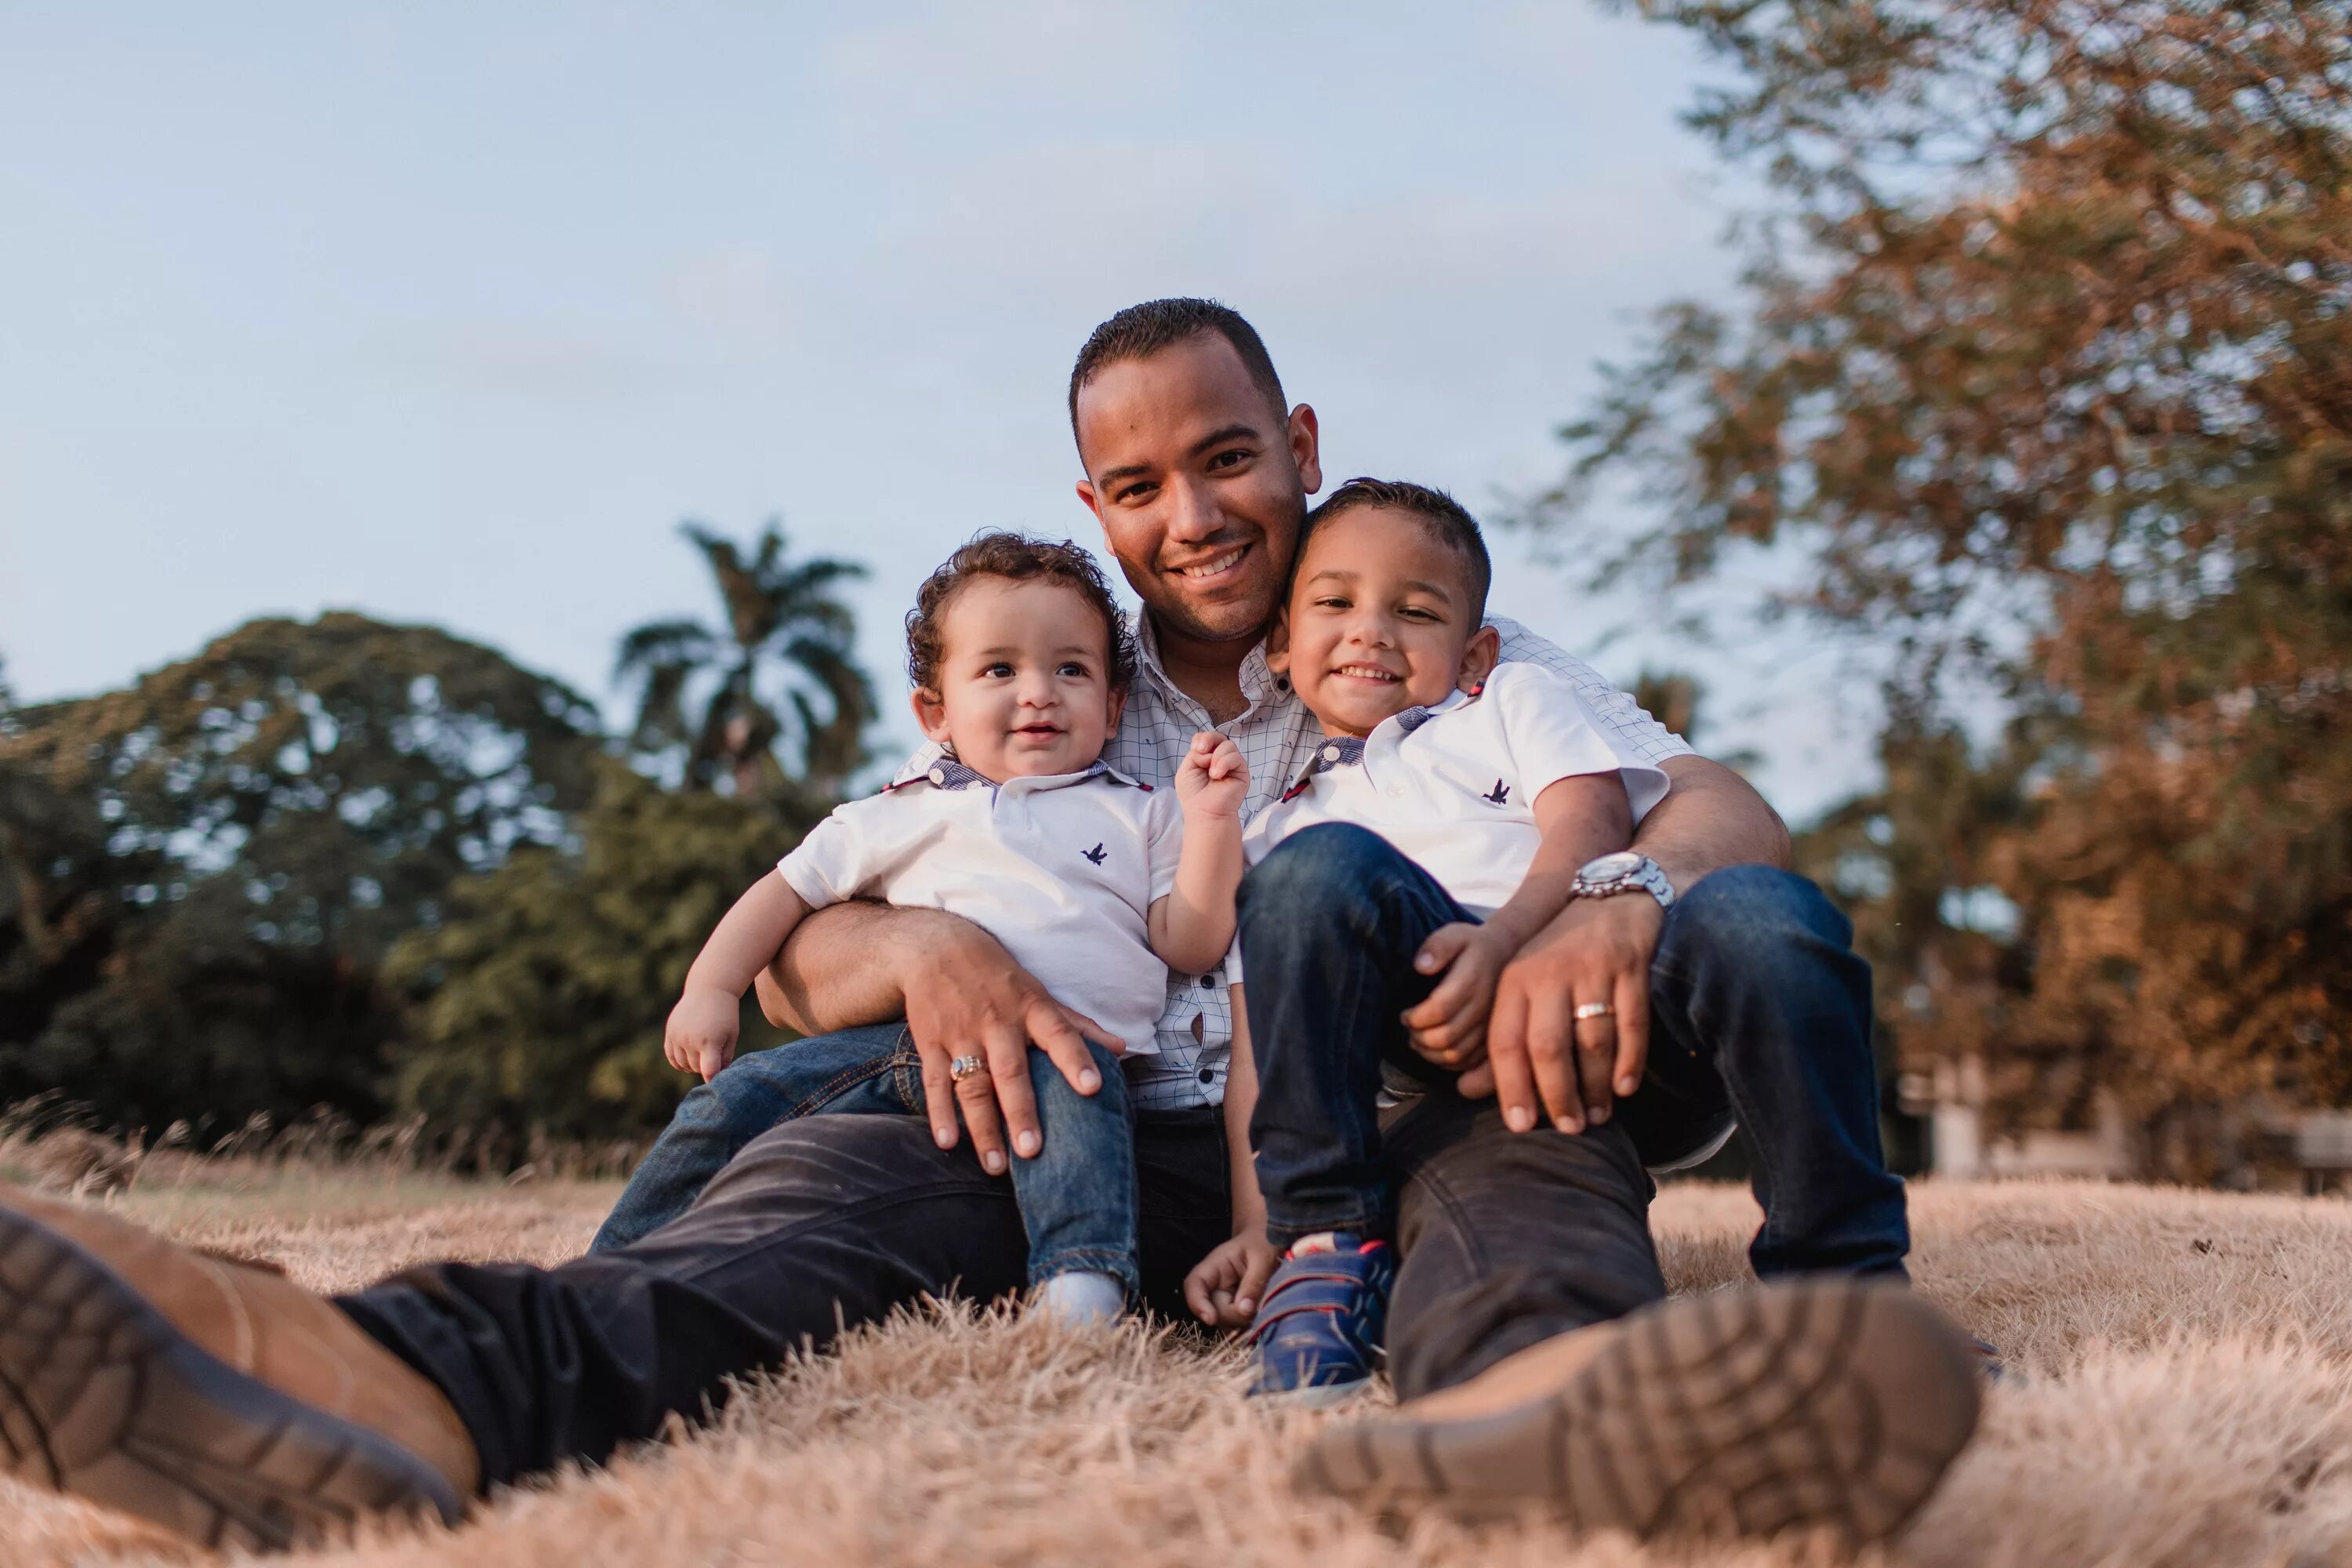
1020,558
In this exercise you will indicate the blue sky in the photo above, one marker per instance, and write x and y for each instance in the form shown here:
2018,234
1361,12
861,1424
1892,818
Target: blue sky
451,313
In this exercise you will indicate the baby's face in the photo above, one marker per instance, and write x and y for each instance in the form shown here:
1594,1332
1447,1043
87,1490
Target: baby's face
1379,621
1023,683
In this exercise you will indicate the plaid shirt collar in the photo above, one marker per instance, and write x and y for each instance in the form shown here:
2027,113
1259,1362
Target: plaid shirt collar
1258,682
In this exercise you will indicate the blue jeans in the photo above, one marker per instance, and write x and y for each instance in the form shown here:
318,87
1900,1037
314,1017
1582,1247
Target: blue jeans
1077,1195
1760,1013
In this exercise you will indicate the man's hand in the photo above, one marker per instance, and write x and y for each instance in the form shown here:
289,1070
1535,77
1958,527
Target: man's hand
700,1035
1213,780
1596,950
1224,1288
1449,1025
965,996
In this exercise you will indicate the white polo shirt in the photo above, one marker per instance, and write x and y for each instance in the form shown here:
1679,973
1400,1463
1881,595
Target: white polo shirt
1062,870
1454,786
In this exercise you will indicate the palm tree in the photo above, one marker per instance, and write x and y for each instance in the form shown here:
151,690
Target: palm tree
778,611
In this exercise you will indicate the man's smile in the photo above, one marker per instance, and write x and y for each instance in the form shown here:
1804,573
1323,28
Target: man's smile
1216,565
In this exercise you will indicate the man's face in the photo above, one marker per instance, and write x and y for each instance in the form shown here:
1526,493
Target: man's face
1200,484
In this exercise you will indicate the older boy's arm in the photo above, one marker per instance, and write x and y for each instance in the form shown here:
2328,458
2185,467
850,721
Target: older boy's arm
960,994
1710,818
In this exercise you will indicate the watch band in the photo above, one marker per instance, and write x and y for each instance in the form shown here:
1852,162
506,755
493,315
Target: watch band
1646,876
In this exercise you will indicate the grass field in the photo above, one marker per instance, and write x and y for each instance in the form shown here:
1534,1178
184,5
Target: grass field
2181,1395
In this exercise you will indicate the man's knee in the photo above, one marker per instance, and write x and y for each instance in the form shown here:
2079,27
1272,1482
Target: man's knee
1752,915
1312,868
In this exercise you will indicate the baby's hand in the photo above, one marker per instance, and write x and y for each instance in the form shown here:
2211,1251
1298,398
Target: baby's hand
1449,1026
700,1038
1224,1288
1212,779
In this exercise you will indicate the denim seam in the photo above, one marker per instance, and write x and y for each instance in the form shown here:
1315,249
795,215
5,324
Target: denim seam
841,1084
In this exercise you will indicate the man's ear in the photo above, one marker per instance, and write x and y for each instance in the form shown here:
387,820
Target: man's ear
1480,658
1278,642
930,713
1088,498
1307,448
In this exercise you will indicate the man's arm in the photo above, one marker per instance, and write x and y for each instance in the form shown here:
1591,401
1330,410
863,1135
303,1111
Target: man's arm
1710,818
1597,948
961,994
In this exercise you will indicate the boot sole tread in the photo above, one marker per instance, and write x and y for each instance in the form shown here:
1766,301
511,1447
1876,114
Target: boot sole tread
101,1396
1832,1405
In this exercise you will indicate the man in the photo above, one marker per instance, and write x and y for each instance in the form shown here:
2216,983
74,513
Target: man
1529,1338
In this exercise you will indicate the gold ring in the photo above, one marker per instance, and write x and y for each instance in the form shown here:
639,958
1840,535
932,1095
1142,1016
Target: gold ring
1593,1010
963,1068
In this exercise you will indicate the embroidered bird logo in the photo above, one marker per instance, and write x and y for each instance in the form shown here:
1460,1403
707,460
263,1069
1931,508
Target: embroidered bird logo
1094,854
1498,794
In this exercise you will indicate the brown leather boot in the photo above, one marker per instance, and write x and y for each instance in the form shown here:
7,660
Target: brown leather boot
1823,1404
216,1398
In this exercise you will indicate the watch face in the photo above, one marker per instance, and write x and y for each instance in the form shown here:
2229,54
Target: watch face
1609,867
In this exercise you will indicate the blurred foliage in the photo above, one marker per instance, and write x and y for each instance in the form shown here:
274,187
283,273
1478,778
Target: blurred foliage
2044,363
204,872
540,1003
339,867
701,693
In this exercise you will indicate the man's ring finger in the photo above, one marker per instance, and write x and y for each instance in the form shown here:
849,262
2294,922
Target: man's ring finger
963,1068
1593,1010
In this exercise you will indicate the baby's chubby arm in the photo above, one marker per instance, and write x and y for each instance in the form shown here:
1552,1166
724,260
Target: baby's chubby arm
701,1035
1192,927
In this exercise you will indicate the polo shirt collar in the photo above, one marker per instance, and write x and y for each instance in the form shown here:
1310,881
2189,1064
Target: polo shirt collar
946,771
1347,750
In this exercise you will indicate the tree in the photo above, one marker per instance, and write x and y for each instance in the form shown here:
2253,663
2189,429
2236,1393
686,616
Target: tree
2044,363
204,872
539,1003
777,611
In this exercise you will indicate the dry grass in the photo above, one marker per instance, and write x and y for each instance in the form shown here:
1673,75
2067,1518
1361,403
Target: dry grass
2184,1397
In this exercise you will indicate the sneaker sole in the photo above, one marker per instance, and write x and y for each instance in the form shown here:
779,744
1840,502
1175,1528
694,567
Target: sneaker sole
1830,1404
101,1396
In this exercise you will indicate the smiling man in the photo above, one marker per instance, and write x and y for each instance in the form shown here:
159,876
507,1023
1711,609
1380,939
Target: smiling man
1530,1340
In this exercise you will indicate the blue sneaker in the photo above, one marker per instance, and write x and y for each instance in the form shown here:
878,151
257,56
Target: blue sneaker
1322,1319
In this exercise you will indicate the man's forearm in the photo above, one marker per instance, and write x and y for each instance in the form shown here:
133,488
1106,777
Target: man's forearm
1710,818
835,973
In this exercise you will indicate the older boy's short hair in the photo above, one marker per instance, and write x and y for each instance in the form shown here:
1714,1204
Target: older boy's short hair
1001,553
1444,518
1142,331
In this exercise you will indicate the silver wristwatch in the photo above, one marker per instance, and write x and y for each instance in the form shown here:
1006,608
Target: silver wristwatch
1626,871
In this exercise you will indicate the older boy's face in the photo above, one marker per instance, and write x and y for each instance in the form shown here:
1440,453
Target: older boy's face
1379,620
1200,484
1023,689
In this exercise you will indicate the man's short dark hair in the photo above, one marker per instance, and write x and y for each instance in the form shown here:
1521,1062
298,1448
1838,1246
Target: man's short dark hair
1142,331
1445,519
1016,556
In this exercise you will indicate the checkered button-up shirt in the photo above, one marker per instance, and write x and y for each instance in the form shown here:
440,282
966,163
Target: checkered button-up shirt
1276,734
